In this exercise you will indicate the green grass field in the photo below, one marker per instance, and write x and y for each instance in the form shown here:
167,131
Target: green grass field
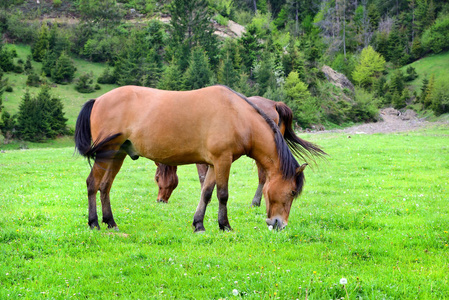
71,99
376,213
436,64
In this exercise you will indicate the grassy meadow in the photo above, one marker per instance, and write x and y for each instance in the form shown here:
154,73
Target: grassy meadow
375,213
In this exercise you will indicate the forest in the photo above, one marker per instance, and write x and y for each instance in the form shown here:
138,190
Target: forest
280,55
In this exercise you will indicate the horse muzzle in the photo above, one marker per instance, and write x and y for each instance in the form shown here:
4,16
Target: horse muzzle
276,223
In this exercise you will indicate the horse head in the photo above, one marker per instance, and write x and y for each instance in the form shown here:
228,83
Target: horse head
279,194
166,180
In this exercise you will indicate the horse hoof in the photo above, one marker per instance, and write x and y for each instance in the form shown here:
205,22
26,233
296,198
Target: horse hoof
115,228
162,201
226,228
97,227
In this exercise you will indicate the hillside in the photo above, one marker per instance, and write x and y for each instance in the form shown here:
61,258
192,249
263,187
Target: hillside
279,53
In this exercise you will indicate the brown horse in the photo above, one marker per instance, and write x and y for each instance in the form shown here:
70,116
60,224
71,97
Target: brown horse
213,126
279,112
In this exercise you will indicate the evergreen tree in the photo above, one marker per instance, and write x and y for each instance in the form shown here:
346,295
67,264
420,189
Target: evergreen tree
106,77
7,125
49,63
245,86
28,66
172,79
226,73
41,46
33,80
249,47
64,70
428,98
191,26
6,58
84,83
264,74
41,117
198,74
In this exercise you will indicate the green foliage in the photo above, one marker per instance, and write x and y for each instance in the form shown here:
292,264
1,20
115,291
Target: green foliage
198,74
28,66
49,63
40,118
410,74
306,108
6,58
64,70
33,80
42,44
172,78
84,84
7,125
371,66
250,47
365,108
440,98
18,30
106,77
105,13
436,38
191,26
226,74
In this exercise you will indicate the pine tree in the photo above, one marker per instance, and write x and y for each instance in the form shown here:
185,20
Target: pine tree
6,58
41,117
64,70
191,26
172,78
28,66
198,74
7,125
42,44
226,73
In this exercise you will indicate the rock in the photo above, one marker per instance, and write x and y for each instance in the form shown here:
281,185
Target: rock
337,79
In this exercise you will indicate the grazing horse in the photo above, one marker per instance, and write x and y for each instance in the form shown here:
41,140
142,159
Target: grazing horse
280,113
213,126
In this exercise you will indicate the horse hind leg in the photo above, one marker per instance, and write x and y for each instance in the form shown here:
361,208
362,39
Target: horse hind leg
93,185
105,187
262,179
206,195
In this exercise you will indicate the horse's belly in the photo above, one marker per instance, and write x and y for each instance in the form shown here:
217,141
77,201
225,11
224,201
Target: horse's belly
169,151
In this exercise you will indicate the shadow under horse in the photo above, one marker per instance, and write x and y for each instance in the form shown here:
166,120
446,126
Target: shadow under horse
167,179
213,126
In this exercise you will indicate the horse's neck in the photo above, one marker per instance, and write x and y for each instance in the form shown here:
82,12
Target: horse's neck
264,152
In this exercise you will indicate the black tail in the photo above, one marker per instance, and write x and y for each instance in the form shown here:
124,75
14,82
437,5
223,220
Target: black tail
83,136
298,146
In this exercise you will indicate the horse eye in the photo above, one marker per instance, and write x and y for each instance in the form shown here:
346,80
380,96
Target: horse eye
294,193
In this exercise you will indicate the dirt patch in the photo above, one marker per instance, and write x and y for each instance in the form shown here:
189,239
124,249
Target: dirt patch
392,120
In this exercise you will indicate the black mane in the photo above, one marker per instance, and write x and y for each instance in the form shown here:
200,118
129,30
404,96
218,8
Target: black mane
286,158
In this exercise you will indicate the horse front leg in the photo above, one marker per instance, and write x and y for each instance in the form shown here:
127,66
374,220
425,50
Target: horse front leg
222,177
206,195
259,191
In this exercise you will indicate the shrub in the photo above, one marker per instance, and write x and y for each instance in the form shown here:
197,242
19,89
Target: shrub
84,84
64,70
106,77
33,80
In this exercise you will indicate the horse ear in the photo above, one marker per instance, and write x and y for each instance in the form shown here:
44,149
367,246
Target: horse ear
301,168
